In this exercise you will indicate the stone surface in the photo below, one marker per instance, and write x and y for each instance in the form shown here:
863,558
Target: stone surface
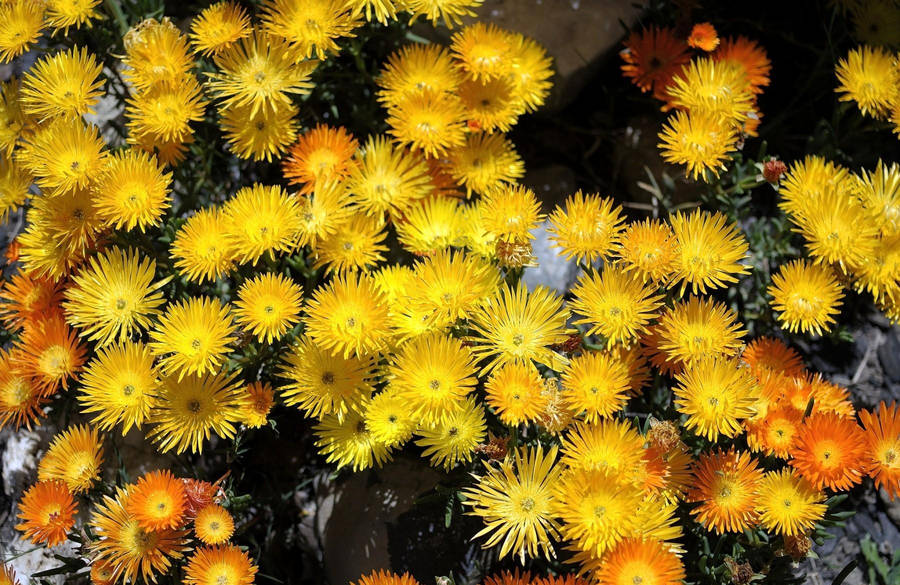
552,269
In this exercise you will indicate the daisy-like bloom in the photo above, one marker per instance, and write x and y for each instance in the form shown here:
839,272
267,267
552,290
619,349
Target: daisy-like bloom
189,410
225,564
75,457
648,249
130,549
531,71
516,393
882,435
491,104
63,84
262,135
515,499
704,37
869,77
49,353
451,12
414,68
611,445
453,440
724,488
21,24
838,230
322,383
102,573
312,27
879,191
386,578
389,419
587,228
876,22
510,213
386,180
47,511
485,163
260,70
807,297
697,328
614,304
596,384
750,56
776,434
483,51
640,560
357,244
119,385
430,121
132,190
698,140
213,524
348,316
652,57
434,224
597,509
322,211
347,442
261,219
114,296
767,354
719,90
164,112
830,451
193,336
24,299
15,183
268,305
716,394
201,248
709,251
517,326
156,53
433,374
169,152
218,27
808,181
157,501
21,400
320,155
65,156
787,504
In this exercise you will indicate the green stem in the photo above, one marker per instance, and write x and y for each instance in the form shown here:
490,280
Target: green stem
116,9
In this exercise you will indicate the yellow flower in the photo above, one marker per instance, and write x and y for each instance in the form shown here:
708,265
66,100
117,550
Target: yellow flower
879,191
647,248
192,408
807,183
414,68
531,72
268,305
114,296
132,190
430,121
356,244
879,274
807,297
201,248
698,140
13,121
21,23
322,211
608,445
485,163
193,336
120,385
615,304
389,419
491,104
65,156
596,384
453,440
380,10
516,393
164,113
716,394
517,326
709,251
787,504
433,224
696,328
510,213
156,53
838,230
484,51
218,27
14,185
450,11
261,219
213,524
587,228
347,442
348,316
715,90
64,84
516,502
75,457
261,135
869,76
260,70
321,383
312,27
225,564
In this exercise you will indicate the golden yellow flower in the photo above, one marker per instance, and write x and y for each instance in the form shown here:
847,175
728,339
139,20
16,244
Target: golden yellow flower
268,305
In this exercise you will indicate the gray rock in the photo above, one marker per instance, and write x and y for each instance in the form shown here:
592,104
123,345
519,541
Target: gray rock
552,270
889,355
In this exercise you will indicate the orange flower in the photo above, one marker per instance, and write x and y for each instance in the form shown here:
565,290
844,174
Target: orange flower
704,37
7,575
882,431
256,404
831,451
158,501
49,353
652,57
386,578
640,561
48,511
220,564
569,579
509,578
20,398
24,298
321,154
748,55
777,433
102,573
12,251
724,486
768,353
826,397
